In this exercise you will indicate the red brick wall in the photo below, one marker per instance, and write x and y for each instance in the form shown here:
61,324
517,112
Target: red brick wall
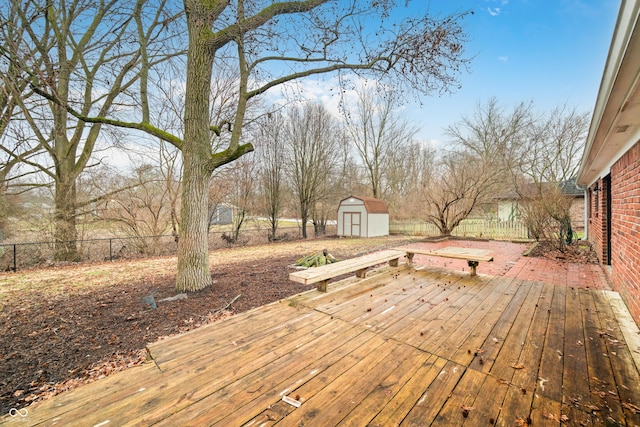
625,229
598,219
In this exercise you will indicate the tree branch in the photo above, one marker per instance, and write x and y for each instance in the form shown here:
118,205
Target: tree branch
145,127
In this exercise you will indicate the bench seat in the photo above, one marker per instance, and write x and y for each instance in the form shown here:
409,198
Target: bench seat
321,275
471,255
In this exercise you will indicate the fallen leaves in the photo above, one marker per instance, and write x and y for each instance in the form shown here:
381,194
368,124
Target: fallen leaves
466,409
558,418
631,407
517,366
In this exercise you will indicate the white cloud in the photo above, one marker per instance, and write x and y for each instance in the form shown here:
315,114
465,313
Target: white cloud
327,91
494,11
503,58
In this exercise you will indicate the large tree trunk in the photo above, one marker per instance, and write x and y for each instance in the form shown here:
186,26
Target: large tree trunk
65,232
193,250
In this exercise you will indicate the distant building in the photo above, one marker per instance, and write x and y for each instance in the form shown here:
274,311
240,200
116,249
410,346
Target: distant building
363,217
508,204
222,214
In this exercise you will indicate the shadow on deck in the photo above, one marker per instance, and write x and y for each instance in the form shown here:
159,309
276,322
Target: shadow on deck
404,346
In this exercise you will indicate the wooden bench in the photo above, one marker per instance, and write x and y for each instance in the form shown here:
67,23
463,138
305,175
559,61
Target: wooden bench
321,275
471,255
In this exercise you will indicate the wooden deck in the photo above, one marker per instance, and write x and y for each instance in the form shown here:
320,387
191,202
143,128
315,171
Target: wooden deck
402,347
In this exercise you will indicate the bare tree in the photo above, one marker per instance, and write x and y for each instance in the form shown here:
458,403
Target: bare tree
143,209
409,174
244,176
459,184
496,136
85,57
271,150
555,145
549,168
378,131
487,147
312,137
273,43
533,154
332,188
15,146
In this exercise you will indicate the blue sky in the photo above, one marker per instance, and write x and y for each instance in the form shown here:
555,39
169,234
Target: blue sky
549,51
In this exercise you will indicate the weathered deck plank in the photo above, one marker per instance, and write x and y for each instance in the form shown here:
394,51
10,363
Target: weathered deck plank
435,396
523,383
252,393
402,347
399,405
551,365
575,381
601,377
627,379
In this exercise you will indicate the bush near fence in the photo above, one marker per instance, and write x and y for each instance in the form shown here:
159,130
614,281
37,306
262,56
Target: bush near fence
498,230
21,256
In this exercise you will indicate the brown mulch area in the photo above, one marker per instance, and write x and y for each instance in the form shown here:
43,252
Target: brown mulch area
578,252
55,341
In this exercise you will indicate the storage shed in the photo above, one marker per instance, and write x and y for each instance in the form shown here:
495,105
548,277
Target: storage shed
363,217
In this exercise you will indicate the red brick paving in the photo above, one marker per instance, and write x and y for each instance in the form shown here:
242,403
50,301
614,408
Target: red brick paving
508,261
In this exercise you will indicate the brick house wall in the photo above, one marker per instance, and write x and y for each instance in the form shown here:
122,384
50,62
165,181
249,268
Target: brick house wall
598,220
625,228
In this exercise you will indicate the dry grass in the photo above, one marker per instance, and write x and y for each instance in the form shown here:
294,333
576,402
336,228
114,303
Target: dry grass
78,278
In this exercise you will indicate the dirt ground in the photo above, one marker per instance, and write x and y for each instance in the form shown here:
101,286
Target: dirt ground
63,327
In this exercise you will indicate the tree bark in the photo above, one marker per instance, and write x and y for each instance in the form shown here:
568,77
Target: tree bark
304,217
193,254
65,232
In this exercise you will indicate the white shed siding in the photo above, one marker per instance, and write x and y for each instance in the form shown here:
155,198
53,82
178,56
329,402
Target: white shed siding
378,225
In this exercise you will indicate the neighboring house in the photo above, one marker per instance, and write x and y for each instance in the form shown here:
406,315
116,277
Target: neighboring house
509,203
363,217
610,167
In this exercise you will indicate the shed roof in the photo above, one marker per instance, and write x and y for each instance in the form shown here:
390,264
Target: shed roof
370,204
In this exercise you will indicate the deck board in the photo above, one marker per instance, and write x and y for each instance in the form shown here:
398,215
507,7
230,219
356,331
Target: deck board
551,365
401,347
601,377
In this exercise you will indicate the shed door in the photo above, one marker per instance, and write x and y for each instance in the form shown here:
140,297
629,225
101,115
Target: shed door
351,224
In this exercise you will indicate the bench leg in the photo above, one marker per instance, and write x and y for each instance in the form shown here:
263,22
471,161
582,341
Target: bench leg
473,265
393,262
322,286
410,258
362,273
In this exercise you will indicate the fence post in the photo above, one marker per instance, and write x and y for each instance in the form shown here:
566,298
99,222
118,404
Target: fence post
110,252
15,263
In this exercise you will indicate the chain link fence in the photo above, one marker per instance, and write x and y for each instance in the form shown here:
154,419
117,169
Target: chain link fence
21,256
